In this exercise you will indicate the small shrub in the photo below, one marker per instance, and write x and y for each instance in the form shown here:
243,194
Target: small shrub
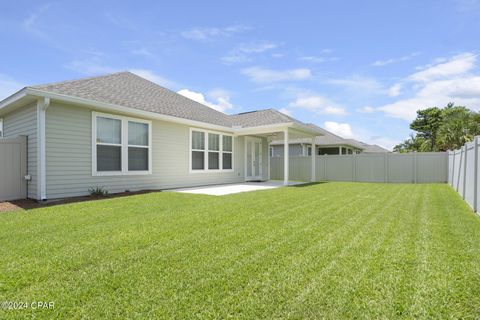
98,192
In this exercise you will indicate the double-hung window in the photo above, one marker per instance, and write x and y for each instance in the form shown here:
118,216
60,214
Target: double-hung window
121,145
210,151
227,152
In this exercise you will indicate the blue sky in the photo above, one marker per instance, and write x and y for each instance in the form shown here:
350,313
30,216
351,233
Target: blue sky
357,68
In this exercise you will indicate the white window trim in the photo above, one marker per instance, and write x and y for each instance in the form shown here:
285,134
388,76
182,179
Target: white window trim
1,128
206,150
124,145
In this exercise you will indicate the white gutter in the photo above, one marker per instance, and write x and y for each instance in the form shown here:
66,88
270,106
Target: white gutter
116,108
153,115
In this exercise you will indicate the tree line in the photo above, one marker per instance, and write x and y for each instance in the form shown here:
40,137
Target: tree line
441,129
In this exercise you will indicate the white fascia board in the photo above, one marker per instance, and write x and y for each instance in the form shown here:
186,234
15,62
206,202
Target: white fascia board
110,107
262,129
13,98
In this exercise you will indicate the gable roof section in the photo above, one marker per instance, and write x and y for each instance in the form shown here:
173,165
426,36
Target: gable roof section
129,90
261,118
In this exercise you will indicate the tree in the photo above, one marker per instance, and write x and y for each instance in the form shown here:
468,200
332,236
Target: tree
441,129
414,143
427,124
459,126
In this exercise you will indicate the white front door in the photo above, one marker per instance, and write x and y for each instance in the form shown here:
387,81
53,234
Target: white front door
253,159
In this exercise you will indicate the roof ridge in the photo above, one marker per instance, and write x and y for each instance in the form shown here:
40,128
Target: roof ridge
181,95
78,79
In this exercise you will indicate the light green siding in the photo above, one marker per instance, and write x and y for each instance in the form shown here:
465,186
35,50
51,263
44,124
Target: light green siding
69,157
23,121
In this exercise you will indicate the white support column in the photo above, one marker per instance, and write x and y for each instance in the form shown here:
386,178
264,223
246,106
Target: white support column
313,175
340,150
42,105
285,157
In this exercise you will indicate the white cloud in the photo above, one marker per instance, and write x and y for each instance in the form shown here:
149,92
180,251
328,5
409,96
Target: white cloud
91,66
143,52
30,21
243,52
342,129
8,86
457,65
316,59
152,76
448,81
120,21
395,90
346,131
264,75
382,63
359,84
318,104
210,33
366,109
286,111
222,103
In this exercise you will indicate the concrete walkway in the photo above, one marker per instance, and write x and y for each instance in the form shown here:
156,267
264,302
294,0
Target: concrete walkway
224,189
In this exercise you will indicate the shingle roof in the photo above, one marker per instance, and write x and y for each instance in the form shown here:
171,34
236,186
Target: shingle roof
129,90
260,118
371,148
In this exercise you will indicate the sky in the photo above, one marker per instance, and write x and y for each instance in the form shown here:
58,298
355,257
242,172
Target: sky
360,69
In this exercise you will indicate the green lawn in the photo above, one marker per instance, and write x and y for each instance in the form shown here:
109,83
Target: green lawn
333,250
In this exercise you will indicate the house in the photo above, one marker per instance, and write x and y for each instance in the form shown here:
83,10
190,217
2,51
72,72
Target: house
123,132
328,143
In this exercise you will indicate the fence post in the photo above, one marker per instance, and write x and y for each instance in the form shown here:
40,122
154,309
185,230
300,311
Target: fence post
415,169
465,152
475,173
325,167
453,165
354,164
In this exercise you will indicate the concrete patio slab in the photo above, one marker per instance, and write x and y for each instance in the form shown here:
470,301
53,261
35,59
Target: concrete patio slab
224,189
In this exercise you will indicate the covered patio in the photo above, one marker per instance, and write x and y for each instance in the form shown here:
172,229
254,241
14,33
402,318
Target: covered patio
271,133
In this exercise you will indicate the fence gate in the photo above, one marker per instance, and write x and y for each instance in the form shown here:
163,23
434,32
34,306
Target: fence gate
13,168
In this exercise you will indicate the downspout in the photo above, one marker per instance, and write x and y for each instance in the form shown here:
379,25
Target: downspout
42,106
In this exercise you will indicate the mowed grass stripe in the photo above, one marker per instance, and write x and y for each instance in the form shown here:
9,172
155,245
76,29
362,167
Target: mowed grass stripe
333,250
327,276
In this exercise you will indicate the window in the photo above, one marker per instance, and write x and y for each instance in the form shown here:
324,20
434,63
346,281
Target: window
271,152
227,152
210,151
1,128
121,145
309,151
213,151
138,146
198,150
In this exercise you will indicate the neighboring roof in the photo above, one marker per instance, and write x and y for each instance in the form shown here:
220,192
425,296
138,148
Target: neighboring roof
328,139
371,148
261,118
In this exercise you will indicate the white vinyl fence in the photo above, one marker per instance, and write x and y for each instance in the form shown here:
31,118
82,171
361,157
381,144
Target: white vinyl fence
425,167
463,170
